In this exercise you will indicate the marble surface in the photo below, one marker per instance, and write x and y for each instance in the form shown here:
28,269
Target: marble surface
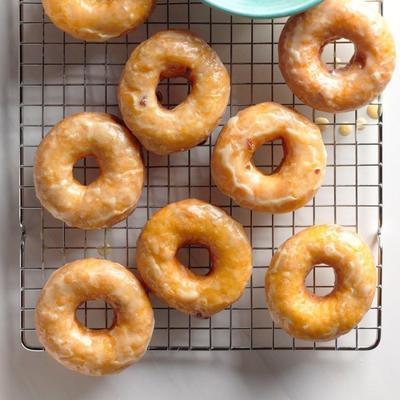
272,375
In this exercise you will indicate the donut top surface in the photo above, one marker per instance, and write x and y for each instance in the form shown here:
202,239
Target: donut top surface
194,222
97,20
108,199
295,181
366,75
303,314
88,351
169,54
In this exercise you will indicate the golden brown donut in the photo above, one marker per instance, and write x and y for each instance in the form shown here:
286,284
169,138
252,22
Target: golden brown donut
194,222
165,55
88,351
113,195
297,179
366,75
304,315
95,20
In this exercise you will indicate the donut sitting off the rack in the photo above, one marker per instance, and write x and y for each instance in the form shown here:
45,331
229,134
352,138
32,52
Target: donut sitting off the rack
298,177
194,222
171,54
365,76
113,195
301,313
94,352
98,21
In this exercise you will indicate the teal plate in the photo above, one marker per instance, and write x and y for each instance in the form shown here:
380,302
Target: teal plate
262,8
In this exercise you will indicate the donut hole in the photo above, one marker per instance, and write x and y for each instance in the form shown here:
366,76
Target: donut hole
196,258
321,280
174,86
339,54
269,157
86,170
96,315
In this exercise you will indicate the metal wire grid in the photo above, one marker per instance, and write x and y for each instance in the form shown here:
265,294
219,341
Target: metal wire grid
59,76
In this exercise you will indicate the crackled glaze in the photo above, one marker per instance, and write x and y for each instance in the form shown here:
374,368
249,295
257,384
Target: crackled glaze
94,352
194,222
113,195
297,179
170,54
304,315
98,20
362,80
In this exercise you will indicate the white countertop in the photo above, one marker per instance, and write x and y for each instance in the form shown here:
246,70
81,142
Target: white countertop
270,375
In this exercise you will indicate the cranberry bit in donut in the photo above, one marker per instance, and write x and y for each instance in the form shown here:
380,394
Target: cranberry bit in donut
250,144
143,101
200,315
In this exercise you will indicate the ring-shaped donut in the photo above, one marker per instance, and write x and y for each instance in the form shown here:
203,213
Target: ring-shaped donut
304,315
89,351
366,75
98,21
298,177
170,54
194,222
113,195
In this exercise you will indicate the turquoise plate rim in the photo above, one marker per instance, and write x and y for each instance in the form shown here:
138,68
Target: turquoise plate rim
285,11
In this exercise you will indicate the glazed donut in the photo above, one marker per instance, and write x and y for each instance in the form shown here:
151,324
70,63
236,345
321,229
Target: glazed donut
304,315
194,222
97,21
88,351
297,179
366,75
113,195
165,55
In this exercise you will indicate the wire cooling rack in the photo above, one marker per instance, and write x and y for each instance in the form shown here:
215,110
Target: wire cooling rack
60,75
